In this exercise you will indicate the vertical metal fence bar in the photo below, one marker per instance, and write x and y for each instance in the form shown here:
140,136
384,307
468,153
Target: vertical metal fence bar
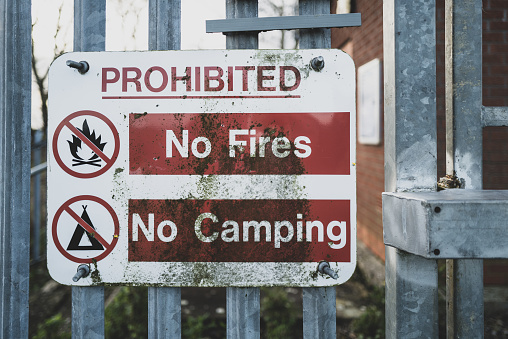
37,198
409,38
164,25
463,40
243,313
319,313
88,302
411,295
319,309
164,303
242,304
318,37
88,312
3,127
15,139
164,312
242,9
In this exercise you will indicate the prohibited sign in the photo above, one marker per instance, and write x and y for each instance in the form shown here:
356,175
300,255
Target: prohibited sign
86,144
85,228
236,169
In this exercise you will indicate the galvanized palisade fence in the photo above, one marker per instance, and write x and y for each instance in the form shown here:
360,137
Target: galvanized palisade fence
243,308
463,226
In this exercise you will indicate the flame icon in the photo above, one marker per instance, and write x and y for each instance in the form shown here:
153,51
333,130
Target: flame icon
86,156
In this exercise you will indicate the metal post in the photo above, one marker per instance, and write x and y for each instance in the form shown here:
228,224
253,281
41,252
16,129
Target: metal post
317,37
88,302
411,295
15,139
88,312
243,304
319,312
463,39
243,313
164,25
242,9
409,38
164,312
319,309
37,198
164,303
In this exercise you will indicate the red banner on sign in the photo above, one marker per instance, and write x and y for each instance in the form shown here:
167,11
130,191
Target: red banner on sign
239,143
239,230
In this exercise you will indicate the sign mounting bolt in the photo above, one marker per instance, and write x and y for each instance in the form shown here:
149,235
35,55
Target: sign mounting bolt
81,66
324,268
317,63
83,272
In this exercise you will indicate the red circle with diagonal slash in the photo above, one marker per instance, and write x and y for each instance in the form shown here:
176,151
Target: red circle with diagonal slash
109,161
66,208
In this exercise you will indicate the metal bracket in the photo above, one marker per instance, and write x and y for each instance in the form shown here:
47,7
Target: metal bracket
494,116
283,22
451,224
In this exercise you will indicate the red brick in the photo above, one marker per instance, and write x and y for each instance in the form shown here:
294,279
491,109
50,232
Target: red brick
498,25
499,92
493,36
497,4
494,101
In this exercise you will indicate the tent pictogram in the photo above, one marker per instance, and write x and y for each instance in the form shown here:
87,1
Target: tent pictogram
86,144
79,232
85,241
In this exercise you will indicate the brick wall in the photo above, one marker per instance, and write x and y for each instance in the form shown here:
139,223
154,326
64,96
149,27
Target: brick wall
365,43
495,93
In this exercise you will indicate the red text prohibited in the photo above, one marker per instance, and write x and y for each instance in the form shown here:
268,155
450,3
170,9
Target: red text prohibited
86,144
85,228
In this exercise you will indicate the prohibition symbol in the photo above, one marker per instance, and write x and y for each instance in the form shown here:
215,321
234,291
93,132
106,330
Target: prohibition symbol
85,229
86,144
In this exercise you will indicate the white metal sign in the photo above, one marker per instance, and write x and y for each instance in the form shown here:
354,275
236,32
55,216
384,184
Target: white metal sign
202,168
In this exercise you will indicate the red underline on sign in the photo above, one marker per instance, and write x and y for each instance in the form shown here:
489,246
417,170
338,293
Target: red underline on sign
204,97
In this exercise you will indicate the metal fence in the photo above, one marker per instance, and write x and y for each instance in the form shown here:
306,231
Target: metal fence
463,226
164,303
414,221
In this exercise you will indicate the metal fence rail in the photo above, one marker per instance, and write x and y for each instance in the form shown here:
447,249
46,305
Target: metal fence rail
164,304
420,225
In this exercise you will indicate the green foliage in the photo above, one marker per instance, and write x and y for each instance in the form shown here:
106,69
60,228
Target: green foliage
278,314
371,324
127,315
203,327
51,328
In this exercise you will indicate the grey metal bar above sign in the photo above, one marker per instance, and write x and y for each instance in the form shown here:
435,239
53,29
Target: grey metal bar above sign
283,22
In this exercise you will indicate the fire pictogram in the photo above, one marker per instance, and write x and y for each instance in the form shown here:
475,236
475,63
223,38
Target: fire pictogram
86,144
82,154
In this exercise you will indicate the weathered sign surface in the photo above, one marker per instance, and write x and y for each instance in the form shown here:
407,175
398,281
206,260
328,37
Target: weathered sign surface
202,168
